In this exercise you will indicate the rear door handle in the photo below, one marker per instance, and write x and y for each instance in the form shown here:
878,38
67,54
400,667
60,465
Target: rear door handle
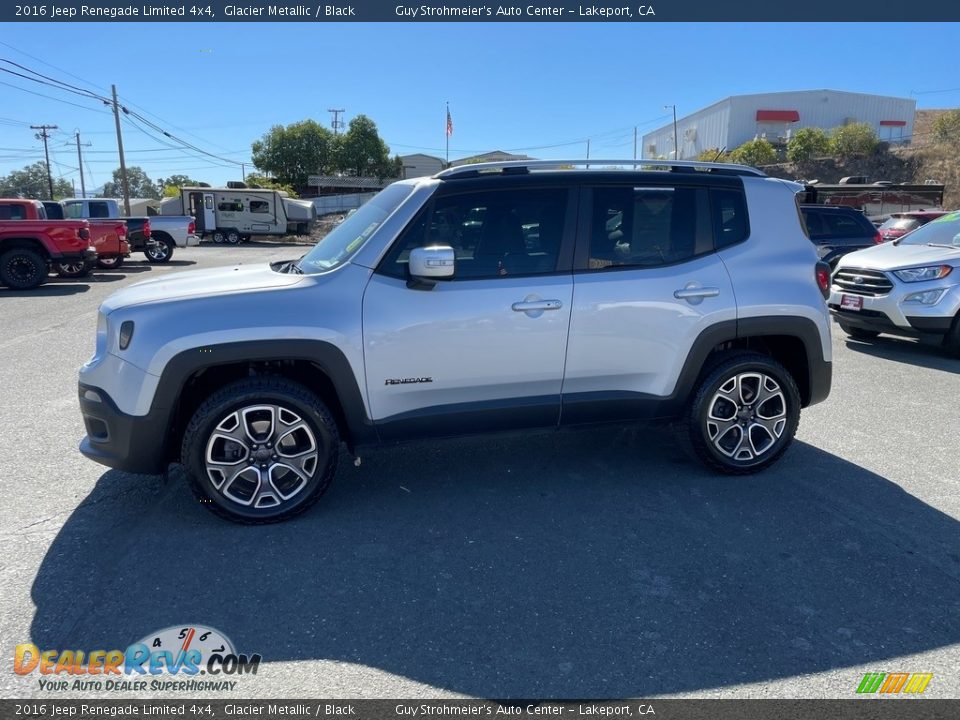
691,293
534,305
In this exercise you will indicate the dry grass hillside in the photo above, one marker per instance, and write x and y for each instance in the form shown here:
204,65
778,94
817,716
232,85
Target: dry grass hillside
924,159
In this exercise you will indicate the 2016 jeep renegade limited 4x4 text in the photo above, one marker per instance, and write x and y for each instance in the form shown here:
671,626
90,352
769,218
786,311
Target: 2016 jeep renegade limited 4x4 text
488,298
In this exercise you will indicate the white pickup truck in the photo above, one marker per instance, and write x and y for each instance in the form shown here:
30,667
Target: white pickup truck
159,235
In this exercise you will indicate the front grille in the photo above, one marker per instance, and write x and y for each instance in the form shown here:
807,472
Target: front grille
858,281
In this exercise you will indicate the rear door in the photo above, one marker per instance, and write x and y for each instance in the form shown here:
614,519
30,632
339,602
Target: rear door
485,350
646,283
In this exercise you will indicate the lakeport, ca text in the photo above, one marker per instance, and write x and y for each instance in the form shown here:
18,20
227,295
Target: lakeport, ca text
329,12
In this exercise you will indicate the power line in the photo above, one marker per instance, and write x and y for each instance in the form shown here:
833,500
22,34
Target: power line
50,97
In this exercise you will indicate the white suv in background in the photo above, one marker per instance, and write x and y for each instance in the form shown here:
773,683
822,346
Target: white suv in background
908,287
488,298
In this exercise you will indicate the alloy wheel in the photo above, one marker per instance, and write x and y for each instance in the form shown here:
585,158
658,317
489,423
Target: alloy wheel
746,416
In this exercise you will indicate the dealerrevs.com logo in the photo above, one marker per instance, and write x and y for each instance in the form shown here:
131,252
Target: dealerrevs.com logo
894,683
182,652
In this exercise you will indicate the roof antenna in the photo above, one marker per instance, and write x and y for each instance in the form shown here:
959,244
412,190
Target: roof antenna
719,153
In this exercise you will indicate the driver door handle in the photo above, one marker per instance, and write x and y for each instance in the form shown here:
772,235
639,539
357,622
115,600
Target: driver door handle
696,292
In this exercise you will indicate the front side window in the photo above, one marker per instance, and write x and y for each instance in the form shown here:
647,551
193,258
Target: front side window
642,226
493,233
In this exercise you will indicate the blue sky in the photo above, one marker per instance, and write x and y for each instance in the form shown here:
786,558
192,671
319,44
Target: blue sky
541,88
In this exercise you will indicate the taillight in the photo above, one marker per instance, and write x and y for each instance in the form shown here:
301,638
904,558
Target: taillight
84,234
146,228
191,228
822,273
877,237
122,231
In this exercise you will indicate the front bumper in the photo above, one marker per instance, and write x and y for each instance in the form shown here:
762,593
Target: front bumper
133,443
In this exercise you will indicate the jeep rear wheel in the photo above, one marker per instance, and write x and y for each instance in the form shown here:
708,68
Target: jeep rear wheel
261,450
23,269
744,414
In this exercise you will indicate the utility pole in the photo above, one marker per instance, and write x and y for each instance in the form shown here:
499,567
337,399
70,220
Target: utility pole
243,171
588,148
123,164
676,140
46,152
337,123
83,187
634,142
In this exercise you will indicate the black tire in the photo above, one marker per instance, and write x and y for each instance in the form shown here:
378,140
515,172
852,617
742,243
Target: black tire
233,237
219,236
161,252
23,269
857,333
720,444
110,263
75,269
241,398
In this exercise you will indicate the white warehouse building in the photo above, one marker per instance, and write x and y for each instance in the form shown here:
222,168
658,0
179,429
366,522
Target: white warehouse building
776,116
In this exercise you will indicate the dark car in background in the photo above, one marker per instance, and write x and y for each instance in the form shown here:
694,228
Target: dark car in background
899,224
836,231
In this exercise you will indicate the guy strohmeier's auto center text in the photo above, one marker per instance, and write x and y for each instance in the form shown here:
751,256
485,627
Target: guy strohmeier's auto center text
329,12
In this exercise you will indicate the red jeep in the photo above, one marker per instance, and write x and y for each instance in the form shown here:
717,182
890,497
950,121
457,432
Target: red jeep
30,244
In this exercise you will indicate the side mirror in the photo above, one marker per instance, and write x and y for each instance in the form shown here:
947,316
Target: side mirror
428,264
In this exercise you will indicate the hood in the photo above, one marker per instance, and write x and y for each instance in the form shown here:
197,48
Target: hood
197,283
895,257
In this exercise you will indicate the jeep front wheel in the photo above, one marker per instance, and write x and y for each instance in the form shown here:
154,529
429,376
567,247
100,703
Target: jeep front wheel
261,450
744,414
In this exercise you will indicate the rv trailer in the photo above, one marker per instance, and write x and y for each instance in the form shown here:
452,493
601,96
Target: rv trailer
235,214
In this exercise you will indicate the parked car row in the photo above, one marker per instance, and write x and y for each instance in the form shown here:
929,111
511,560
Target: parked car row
71,237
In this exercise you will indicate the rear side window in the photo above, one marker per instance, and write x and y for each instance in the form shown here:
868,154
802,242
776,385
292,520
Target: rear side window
259,206
730,222
13,212
847,224
642,226
99,210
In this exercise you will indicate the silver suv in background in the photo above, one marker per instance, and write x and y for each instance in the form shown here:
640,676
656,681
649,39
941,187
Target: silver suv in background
488,298
908,287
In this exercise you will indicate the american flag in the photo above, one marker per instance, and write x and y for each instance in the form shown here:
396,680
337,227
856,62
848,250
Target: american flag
449,123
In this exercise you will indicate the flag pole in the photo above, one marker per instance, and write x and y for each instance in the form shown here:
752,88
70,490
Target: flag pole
446,131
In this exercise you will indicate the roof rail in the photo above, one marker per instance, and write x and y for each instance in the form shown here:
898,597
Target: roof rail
525,166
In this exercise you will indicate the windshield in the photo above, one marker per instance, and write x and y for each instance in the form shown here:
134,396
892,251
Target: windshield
942,231
344,240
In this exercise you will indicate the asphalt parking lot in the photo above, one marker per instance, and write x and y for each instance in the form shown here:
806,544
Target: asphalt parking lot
596,564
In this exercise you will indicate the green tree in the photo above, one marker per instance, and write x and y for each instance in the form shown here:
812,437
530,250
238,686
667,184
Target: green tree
807,143
946,128
362,152
853,140
170,187
262,181
754,152
141,186
714,155
31,182
292,153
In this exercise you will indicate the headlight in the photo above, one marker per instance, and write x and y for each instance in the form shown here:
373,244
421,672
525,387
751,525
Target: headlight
928,297
918,274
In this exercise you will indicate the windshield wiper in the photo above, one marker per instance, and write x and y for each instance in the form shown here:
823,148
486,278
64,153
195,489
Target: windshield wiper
949,247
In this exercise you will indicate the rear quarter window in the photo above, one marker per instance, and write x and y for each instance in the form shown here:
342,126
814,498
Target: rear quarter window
730,222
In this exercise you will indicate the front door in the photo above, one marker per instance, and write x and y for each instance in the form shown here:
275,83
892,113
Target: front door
485,350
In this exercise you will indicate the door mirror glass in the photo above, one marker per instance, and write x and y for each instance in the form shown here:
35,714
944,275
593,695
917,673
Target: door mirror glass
432,263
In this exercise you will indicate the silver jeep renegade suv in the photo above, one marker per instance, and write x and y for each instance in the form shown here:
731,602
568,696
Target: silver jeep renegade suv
489,298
